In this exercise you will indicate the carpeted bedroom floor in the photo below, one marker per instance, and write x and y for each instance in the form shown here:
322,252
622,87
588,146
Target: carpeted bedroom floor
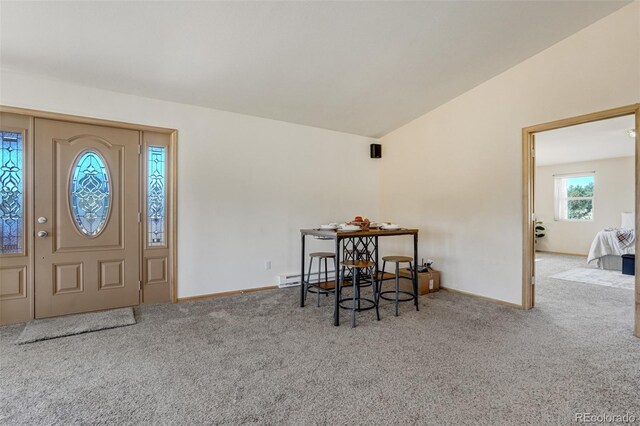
258,358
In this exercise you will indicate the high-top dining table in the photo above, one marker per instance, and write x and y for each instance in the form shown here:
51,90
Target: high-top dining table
363,246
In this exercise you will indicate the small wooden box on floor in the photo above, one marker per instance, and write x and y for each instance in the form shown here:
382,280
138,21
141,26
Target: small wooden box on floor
428,282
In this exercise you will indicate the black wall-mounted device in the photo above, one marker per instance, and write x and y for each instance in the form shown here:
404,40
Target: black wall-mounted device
376,150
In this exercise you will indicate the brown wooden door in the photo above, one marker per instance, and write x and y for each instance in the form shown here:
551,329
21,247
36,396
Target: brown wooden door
87,232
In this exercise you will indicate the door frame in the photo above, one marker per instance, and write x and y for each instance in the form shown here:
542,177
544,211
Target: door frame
172,193
528,170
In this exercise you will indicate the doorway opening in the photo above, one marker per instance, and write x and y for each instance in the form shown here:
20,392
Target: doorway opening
581,183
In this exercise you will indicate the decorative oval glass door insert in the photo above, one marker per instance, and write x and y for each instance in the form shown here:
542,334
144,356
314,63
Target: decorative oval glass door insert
90,193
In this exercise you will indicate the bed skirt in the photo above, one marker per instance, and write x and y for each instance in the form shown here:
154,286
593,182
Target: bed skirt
610,262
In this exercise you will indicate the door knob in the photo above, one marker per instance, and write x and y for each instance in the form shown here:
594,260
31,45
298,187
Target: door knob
43,234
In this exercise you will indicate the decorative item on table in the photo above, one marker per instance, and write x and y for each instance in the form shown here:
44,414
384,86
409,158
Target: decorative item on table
387,226
329,227
360,222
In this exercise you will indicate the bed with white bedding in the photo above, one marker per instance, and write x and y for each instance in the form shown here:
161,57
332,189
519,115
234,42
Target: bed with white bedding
607,248
610,244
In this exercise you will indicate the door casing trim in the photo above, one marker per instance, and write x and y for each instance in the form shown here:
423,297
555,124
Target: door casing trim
32,114
528,166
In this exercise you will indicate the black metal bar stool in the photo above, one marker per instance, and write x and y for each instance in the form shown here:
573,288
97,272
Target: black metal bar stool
321,255
356,266
397,260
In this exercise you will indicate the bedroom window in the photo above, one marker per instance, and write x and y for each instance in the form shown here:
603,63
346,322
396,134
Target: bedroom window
574,196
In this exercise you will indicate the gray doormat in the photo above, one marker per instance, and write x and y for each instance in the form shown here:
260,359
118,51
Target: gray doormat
598,277
69,325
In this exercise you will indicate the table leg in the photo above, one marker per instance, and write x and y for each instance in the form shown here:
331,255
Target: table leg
376,271
375,247
415,274
302,286
336,289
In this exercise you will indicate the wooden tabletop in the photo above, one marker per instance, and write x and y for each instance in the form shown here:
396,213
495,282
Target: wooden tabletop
350,234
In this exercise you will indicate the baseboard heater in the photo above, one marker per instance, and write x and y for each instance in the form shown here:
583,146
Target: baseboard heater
292,280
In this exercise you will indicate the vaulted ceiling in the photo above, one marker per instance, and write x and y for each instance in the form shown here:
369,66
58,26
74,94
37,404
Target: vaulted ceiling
358,67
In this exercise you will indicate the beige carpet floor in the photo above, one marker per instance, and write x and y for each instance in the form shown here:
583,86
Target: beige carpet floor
260,359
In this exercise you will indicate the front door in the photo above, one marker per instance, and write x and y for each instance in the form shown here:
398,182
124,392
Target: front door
87,231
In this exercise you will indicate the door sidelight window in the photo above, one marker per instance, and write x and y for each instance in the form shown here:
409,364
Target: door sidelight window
11,193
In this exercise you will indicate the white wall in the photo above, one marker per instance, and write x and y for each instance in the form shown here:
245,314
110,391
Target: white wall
246,184
456,172
614,193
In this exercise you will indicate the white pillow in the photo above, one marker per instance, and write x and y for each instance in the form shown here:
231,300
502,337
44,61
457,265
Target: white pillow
628,221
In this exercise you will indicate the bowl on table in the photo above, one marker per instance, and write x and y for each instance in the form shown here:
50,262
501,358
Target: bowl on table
389,226
329,227
348,227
